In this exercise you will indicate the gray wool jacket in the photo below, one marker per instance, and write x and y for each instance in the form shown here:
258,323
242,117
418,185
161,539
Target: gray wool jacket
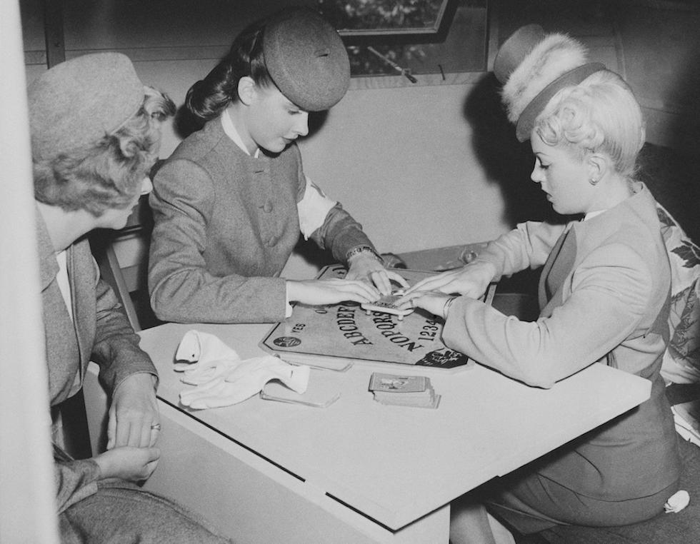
225,225
99,332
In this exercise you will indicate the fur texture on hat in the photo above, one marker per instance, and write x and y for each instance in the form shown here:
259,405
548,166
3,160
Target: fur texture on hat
552,57
80,101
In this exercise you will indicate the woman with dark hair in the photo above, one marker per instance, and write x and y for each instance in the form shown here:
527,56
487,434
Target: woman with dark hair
95,134
231,201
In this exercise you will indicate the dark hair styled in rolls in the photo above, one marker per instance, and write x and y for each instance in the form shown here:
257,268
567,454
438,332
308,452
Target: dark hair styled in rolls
208,97
108,174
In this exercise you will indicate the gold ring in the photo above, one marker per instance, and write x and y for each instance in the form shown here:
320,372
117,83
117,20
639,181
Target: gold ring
155,427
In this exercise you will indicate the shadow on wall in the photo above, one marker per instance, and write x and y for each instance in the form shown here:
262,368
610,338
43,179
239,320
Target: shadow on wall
686,133
674,180
661,50
673,173
506,161
672,176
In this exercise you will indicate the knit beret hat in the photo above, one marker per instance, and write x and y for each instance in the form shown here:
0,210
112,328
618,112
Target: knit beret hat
78,102
533,67
306,59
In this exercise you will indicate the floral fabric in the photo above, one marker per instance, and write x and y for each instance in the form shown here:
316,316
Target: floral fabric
682,359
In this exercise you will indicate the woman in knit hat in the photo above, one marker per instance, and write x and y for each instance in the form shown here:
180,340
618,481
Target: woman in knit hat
231,201
95,133
603,294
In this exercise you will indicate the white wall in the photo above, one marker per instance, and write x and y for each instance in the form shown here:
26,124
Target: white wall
401,161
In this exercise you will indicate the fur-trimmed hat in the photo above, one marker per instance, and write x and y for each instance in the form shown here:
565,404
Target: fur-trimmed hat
80,101
533,67
306,59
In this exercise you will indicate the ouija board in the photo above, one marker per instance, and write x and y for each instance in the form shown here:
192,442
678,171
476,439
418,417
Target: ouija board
339,334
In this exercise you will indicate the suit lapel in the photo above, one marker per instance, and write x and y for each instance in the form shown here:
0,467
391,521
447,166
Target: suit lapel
558,266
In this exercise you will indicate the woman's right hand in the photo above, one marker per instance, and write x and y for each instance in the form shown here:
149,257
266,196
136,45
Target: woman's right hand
471,280
331,291
128,463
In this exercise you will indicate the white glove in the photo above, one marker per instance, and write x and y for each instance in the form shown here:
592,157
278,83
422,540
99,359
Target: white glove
225,379
207,357
202,373
244,381
203,347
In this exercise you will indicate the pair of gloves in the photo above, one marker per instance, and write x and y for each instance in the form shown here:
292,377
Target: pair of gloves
222,378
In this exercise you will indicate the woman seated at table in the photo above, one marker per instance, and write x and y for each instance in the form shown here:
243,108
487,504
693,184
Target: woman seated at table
603,295
95,134
231,202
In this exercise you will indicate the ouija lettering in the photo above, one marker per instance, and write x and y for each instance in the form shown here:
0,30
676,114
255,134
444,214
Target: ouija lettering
385,324
348,326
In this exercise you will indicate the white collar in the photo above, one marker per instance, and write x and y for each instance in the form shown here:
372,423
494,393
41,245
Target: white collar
591,215
232,133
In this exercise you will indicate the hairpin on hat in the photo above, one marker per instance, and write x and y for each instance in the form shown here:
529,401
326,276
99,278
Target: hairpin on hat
533,66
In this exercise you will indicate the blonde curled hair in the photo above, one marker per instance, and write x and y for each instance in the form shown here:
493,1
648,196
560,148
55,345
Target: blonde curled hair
108,174
599,115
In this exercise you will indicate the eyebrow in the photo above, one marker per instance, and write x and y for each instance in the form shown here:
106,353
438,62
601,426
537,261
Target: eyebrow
290,104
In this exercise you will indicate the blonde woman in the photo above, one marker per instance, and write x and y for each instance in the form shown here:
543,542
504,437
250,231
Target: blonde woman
603,294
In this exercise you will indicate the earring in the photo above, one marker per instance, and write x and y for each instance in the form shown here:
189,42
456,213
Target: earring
593,181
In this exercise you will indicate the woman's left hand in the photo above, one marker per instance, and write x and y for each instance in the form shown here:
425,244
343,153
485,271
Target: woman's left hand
366,267
471,280
431,301
133,416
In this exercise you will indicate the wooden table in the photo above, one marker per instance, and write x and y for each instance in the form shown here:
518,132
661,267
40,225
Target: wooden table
358,471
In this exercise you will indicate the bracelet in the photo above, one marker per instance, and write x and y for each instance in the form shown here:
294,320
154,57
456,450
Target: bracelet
446,307
363,249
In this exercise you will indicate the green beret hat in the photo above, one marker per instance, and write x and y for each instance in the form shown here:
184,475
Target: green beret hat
78,102
306,59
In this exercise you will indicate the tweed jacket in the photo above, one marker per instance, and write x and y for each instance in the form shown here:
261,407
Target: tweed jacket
604,297
225,225
99,332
